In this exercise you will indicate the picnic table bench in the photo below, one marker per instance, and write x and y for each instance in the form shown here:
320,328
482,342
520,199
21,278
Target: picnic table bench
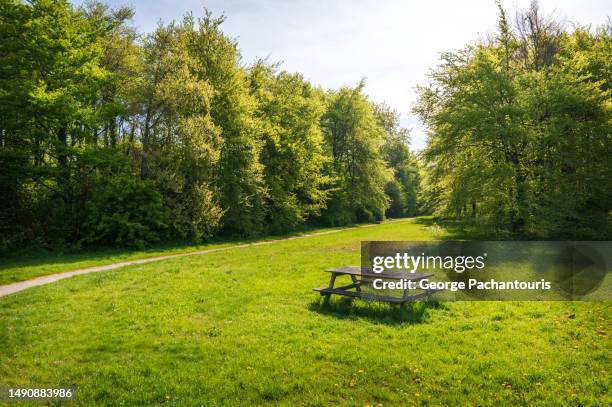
361,278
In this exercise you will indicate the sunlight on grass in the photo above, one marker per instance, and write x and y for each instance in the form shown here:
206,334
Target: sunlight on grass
243,326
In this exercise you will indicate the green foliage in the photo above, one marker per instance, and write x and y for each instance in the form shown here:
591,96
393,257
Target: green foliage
404,187
94,115
125,212
180,142
50,74
239,173
520,131
397,202
293,156
354,138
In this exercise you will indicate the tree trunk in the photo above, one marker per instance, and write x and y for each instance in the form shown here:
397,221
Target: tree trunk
62,156
145,145
113,133
64,179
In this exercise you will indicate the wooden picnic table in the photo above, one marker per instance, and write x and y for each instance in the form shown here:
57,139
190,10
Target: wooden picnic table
361,278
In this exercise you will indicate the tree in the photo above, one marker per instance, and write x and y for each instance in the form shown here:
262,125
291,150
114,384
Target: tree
51,74
239,173
180,142
519,130
354,138
289,113
404,187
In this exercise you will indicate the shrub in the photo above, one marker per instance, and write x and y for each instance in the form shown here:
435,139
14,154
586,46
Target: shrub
125,212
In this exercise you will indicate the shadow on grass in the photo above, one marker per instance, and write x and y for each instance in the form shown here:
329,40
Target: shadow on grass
349,308
453,229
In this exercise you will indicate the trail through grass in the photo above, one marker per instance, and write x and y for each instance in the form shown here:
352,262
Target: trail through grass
26,265
242,326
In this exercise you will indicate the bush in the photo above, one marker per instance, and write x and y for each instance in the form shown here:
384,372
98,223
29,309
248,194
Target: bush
125,212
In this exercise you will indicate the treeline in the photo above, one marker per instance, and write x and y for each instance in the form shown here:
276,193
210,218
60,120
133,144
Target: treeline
109,137
520,131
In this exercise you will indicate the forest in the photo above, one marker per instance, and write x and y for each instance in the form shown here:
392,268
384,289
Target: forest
520,140
111,137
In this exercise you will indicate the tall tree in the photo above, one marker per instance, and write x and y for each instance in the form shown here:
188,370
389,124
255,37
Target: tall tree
404,187
354,138
239,173
180,142
51,74
289,112
520,130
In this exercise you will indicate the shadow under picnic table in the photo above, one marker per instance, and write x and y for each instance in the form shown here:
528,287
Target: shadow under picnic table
347,308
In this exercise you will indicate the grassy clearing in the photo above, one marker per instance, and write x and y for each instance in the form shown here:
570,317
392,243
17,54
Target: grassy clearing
242,326
34,263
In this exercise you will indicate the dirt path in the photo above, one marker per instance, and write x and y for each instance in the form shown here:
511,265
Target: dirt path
23,285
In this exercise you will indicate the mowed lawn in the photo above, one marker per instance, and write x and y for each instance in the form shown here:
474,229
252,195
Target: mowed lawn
22,266
242,326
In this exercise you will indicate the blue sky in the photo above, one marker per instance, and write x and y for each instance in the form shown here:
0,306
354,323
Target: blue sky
393,44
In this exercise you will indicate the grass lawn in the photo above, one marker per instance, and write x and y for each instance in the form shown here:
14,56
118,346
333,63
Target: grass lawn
34,263
242,326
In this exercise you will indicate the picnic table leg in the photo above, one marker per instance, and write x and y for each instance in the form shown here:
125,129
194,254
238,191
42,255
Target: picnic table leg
355,281
405,296
430,297
332,281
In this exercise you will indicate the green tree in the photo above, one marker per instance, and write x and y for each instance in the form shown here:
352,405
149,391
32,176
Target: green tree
289,112
51,73
354,138
520,130
180,142
239,173
404,188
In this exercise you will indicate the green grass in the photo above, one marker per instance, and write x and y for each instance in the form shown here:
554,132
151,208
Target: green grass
31,264
242,326
25,265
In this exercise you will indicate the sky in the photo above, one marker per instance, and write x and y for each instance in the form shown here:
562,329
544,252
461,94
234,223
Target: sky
392,44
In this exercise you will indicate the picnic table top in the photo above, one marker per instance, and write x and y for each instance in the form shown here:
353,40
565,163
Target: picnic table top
356,271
